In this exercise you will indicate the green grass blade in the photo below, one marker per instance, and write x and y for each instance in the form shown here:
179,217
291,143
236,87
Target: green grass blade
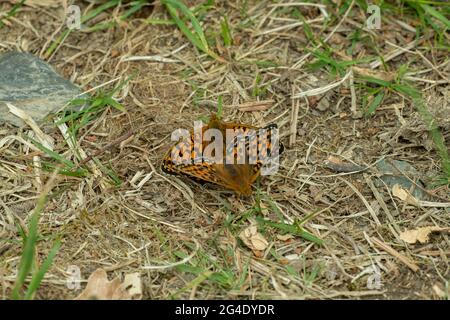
184,29
436,14
115,178
53,154
95,12
137,5
226,33
160,22
219,107
198,38
106,25
12,12
375,103
113,103
56,43
377,81
26,260
37,278
416,97
436,135
79,172
85,18
293,229
195,23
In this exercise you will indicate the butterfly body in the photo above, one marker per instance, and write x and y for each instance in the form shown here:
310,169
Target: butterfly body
231,172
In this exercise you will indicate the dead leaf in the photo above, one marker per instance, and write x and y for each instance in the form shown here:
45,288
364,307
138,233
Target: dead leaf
43,138
253,239
439,292
420,234
100,288
132,284
404,195
292,257
258,254
336,164
264,208
44,3
285,237
383,75
256,105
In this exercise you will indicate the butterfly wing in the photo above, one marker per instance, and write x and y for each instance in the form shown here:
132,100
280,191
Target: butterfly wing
198,171
237,177
257,144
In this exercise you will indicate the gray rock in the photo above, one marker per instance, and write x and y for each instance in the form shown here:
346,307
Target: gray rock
392,174
32,85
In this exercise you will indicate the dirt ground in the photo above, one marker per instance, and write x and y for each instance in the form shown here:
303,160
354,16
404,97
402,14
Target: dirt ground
185,239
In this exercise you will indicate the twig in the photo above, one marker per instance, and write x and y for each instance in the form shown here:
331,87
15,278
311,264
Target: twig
366,203
414,267
103,149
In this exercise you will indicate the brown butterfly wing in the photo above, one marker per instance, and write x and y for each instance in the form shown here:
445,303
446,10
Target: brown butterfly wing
237,177
258,154
200,172
240,177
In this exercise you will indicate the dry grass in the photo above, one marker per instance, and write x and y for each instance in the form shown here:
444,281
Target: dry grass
155,220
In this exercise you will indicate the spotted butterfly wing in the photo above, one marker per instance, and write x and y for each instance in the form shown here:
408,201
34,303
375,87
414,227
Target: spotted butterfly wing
186,149
237,176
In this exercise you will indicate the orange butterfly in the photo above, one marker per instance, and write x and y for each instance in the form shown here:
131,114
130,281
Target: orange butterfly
244,155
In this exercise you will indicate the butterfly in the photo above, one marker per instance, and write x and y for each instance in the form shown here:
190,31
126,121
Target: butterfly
233,159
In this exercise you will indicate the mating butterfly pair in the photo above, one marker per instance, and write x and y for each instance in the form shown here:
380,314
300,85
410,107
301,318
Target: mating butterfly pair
261,151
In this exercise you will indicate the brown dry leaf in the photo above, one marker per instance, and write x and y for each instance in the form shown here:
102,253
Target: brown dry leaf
264,209
253,239
404,195
43,3
256,105
285,237
336,164
439,292
420,234
258,254
132,284
386,76
100,288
